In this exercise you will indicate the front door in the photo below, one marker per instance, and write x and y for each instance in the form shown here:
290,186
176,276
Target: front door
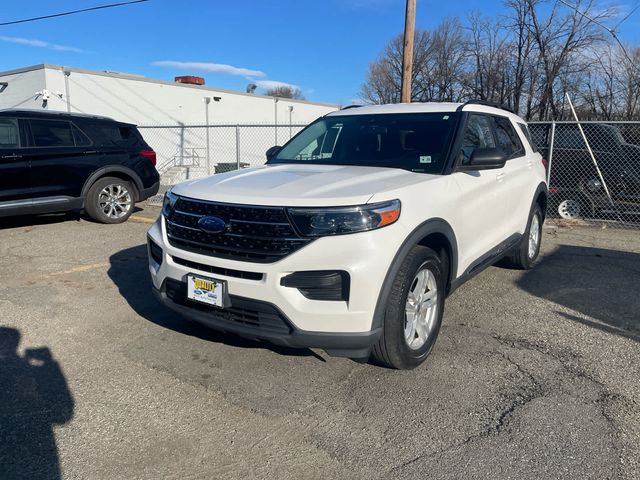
480,209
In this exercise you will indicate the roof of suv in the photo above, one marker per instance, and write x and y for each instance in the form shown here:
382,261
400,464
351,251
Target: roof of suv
426,107
54,114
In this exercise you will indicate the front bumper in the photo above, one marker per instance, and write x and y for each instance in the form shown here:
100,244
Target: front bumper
339,327
352,345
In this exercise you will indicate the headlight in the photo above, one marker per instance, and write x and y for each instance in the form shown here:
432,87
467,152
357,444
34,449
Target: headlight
168,203
317,222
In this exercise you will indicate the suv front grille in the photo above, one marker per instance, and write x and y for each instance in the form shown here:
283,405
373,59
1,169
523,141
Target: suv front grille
252,234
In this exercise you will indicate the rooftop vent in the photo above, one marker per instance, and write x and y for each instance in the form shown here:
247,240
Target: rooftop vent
190,79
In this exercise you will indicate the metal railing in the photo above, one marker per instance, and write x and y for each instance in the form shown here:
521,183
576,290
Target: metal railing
191,151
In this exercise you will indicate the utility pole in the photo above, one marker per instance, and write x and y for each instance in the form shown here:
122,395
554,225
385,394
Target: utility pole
407,53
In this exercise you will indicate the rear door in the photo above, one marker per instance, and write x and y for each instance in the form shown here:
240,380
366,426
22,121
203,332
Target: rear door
61,158
518,175
14,167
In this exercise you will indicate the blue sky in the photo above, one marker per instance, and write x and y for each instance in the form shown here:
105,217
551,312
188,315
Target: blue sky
323,47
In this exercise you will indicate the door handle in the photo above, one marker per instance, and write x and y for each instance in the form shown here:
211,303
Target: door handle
89,152
12,156
500,176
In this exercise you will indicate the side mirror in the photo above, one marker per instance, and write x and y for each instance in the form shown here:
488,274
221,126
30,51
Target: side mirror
485,159
272,152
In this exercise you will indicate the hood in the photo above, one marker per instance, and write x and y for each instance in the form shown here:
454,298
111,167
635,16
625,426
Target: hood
299,185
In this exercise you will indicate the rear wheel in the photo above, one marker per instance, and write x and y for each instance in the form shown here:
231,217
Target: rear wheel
110,200
414,311
525,255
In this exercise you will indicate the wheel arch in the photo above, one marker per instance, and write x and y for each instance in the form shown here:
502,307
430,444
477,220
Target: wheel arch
541,198
117,171
436,234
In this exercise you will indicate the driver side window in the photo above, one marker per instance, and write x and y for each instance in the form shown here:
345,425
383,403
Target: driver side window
478,134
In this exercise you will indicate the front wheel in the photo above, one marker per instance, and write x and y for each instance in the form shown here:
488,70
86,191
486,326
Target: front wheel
414,311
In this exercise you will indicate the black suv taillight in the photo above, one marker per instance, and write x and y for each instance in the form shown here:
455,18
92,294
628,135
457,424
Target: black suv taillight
320,284
149,155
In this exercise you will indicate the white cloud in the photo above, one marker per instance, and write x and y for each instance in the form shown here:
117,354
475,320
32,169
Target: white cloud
209,67
32,42
269,84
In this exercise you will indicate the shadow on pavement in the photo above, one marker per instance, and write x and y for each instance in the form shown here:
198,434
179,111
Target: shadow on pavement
129,271
48,218
33,220
34,397
598,283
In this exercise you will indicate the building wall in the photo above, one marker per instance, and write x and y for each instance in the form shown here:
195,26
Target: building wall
20,92
146,102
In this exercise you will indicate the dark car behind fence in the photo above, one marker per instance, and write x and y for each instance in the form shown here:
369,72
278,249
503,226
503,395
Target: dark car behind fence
594,172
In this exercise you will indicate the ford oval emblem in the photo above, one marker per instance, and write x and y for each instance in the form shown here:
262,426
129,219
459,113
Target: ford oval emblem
212,224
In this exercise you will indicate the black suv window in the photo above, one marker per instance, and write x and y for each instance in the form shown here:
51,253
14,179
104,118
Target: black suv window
107,134
9,133
508,138
51,133
478,134
80,139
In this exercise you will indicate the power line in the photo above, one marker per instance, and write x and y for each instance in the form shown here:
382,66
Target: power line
100,7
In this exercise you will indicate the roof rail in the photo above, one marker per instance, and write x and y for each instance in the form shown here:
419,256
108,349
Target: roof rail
486,103
350,106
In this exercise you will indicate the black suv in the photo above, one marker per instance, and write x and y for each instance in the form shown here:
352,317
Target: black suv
56,162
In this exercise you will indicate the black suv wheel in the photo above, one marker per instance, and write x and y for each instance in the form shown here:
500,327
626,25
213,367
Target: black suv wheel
110,200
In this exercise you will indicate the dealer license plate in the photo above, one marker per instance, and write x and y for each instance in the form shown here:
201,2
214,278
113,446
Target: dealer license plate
206,290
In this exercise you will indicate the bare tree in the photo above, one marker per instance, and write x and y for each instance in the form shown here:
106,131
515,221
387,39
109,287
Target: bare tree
285,91
438,66
558,38
384,75
526,59
489,79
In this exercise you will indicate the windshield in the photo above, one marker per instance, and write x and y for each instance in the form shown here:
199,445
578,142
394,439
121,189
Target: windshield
418,142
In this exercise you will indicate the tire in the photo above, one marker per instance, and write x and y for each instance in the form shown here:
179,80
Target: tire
110,200
402,346
526,253
571,208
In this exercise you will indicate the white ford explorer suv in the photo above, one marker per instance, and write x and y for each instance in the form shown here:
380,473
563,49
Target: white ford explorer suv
354,232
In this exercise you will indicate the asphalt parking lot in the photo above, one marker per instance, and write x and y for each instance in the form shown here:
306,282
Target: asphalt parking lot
535,375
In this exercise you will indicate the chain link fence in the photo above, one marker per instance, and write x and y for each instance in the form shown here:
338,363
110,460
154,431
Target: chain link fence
594,171
192,151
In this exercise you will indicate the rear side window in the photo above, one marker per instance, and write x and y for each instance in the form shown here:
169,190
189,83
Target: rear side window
51,133
80,139
9,137
528,136
508,138
114,135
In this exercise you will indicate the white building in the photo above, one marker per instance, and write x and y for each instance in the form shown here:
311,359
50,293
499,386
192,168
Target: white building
187,109
144,101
